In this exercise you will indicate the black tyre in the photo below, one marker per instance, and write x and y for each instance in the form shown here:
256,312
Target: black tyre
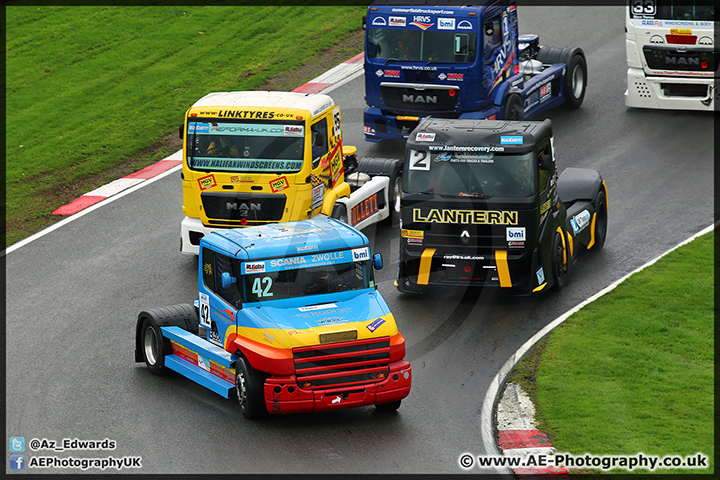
249,386
600,221
575,82
389,406
394,190
559,264
513,108
153,347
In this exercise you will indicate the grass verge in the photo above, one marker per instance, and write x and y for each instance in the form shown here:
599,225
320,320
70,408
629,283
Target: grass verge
633,372
96,92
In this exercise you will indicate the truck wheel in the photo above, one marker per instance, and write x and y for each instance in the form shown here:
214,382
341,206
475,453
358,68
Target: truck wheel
513,109
249,388
388,407
153,348
558,263
395,188
600,221
575,82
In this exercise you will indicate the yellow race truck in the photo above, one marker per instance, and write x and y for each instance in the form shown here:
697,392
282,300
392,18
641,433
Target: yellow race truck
253,158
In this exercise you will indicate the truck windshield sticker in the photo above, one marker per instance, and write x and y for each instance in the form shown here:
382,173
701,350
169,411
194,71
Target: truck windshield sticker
296,277
511,139
472,173
425,38
419,160
276,147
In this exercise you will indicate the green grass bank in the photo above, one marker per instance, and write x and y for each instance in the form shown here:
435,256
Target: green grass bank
633,372
96,92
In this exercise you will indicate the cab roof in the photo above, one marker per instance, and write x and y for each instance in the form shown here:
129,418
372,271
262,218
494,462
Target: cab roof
286,239
315,103
470,132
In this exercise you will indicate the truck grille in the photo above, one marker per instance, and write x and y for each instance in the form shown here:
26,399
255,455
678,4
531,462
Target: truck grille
342,364
692,60
407,99
231,209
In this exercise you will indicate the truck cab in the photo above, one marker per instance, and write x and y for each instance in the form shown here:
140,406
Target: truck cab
288,317
482,204
459,61
253,158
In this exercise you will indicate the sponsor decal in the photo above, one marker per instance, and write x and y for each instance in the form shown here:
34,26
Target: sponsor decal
330,320
545,92
279,184
580,221
463,257
545,207
306,248
364,209
461,148
516,244
368,130
442,76
464,25
207,182
478,217
424,137
423,26
515,233
379,73
446,24
392,73
300,332
375,324
360,254
241,179
540,276
405,233
254,267
458,77
379,22
511,139
296,130
318,195
313,308
397,21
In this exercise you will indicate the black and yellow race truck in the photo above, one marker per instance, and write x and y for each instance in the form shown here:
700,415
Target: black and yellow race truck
482,204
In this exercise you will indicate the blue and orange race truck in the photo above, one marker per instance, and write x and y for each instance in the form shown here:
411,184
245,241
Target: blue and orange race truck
288,317
462,59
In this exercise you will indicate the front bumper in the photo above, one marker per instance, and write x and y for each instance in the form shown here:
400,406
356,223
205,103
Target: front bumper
511,270
283,395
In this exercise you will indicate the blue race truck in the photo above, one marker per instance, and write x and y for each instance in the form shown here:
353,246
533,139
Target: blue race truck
288,317
465,61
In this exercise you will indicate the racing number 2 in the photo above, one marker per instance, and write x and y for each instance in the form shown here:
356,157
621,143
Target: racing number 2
419,160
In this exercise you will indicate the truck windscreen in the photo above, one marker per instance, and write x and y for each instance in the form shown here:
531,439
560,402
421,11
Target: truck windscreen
689,10
470,174
421,45
300,282
241,146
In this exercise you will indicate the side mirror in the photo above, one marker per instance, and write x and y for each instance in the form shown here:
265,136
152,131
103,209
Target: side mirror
377,262
180,131
227,280
364,24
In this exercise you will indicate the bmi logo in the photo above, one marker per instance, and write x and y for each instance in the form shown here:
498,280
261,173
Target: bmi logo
360,254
